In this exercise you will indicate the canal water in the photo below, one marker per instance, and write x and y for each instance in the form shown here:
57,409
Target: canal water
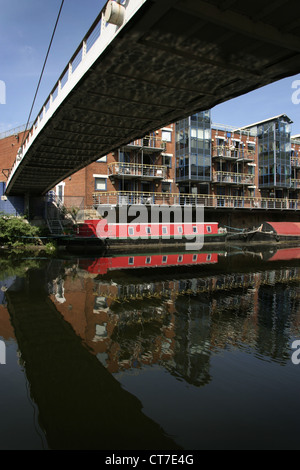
189,351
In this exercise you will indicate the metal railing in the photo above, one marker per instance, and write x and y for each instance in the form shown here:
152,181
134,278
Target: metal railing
295,183
137,170
14,131
214,201
233,153
295,161
233,178
93,44
148,142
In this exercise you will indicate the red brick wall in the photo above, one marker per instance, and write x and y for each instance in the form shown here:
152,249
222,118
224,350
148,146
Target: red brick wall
9,147
82,183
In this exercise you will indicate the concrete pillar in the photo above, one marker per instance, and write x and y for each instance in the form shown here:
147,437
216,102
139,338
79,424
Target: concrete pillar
27,204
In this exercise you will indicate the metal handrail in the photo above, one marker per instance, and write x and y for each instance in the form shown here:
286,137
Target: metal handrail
139,197
139,165
136,169
100,30
295,183
231,177
232,152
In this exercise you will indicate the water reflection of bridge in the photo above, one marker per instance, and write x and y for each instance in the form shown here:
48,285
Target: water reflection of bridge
81,406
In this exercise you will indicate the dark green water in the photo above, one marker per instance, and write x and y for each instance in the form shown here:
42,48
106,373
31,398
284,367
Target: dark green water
193,357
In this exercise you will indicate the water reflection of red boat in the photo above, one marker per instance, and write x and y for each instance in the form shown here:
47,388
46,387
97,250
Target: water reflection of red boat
105,264
287,254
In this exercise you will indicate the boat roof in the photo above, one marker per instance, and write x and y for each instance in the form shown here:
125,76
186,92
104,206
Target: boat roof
286,228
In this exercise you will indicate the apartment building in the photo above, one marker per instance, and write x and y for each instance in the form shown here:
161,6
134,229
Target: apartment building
131,174
193,161
295,167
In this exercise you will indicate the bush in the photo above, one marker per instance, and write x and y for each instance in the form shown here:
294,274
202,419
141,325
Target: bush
17,230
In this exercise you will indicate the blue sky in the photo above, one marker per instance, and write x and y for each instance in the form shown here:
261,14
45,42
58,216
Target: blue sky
25,32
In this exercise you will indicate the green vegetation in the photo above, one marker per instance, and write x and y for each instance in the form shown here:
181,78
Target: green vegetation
15,230
18,235
10,267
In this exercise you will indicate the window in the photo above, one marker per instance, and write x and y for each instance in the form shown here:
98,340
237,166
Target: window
164,230
166,136
167,161
131,231
100,184
102,159
208,228
148,260
166,187
148,230
195,230
100,303
164,259
195,257
101,331
179,259
131,260
179,229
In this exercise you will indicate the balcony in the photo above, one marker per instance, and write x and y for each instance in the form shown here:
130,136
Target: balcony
233,178
148,144
295,162
137,170
295,184
231,153
209,201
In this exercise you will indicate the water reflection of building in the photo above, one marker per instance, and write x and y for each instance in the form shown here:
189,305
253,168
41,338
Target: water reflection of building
133,321
6,329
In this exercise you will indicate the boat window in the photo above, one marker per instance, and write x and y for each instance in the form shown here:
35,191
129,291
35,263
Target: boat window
180,258
208,258
131,231
195,257
164,230
208,228
164,259
195,230
179,229
131,260
148,230
148,260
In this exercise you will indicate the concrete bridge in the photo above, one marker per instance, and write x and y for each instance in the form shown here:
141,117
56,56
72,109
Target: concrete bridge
146,63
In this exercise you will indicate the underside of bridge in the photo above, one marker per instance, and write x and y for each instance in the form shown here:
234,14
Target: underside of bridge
172,59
